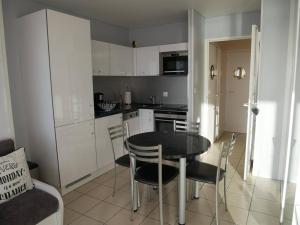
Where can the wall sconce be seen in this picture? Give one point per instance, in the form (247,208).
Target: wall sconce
(239,73)
(212,72)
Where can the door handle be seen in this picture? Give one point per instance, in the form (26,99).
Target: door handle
(246,105)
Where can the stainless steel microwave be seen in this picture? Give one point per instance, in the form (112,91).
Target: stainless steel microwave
(175,63)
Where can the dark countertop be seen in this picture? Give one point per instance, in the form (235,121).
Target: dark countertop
(136,106)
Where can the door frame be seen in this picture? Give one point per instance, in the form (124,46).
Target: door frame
(208,41)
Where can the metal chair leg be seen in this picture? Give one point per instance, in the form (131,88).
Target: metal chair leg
(160,195)
(217,204)
(138,195)
(115,182)
(225,195)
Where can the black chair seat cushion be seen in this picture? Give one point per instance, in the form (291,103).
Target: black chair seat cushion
(28,208)
(125,161)
(203,172)
(148,174)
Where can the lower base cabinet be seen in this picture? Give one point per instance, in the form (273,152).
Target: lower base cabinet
(103,144)
(76,151)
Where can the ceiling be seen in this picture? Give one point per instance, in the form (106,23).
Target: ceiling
(143,13)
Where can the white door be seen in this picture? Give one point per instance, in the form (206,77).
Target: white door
(212,92)
(147,61)
(121,60)
(101,58)
(252,102)
(71,68)
(76,151)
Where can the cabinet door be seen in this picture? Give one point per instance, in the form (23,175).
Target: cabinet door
(71,68)
(101,58)
(103,143)
(133,125)
(121,60)
(147,61)
(146,120)
(76,151)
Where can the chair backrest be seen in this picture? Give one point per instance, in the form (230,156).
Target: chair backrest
(116,132)
(226,150)
(184,126)
(150,154)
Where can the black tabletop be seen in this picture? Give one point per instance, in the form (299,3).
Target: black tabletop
(175,145)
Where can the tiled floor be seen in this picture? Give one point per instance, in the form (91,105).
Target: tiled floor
(255,202)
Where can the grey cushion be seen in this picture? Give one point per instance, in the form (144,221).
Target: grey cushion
(6,146)
(29,208)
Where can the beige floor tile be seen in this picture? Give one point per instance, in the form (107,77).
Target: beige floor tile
(149,221)
(170,214)
(171,198)
(100,192)
(238,200)
(197,219)
(234,215)
(242,189)
(264,206)
(221,222)
(101,179)
(87,187)
(202,206)
(83,220)
(121,182)
(120,199)
(125,174)
(82,204)
(270,194)
(210,193)
(103,211)
(146,206)
(256,218)
(70,216)
(264,183)
(124,218)
(71,197)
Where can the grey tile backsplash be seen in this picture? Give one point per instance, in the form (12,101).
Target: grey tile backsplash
(143,87)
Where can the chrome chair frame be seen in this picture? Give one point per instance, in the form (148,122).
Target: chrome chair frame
(184,126)
(115,132)
(152,154)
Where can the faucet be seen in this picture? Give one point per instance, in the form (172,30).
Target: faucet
(152,99)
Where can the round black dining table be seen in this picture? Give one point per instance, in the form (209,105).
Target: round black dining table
(175,145)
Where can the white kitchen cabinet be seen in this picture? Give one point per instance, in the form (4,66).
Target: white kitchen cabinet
(121,60)
(147,61)
(133,125)
(103,143)
(56,65)
(71,68)
(101,58)
(173,47)
(76,151)
(146,120)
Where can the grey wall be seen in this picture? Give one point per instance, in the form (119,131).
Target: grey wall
(143,87)
(231,25)
(159,35)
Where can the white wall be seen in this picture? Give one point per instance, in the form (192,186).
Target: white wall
(231,25)
(6,122)
(272,80)
(159,35)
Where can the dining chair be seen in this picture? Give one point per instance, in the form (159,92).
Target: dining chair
(208,173)
(153,172)
(117,132)
(184,126)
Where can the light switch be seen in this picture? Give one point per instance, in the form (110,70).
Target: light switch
(165,94)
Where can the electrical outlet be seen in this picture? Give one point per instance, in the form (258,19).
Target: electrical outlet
(165,94)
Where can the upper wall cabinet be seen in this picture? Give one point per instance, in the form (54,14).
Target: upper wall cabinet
(173,47)
(147,61)
(101,58)
(111,59)
(121,60)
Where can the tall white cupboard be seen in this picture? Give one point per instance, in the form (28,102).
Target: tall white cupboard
(56,67)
